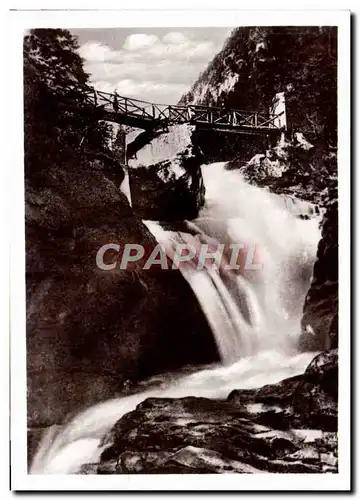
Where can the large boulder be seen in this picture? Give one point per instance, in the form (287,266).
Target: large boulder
(316,398)
(91,330)
(165,176)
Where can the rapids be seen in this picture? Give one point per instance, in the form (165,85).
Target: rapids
(254,314)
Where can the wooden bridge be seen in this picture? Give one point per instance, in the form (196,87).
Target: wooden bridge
(149,116)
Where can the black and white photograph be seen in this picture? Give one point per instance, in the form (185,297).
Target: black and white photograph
(181,277)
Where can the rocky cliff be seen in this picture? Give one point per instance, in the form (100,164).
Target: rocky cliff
(320,318)
(90,330)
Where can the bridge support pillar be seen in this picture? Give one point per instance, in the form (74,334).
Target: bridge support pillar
(278,107)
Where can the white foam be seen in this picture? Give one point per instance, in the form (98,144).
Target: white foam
(256,352)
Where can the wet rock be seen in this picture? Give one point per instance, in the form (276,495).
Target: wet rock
(130,462)
(268,394)
(280,442)
(265,166)
(282,428)
(320,315)
(323,366)
(165,177)
(292,168)
(307,401)
(110,467)
(89,469)
(316,398)
(194,460)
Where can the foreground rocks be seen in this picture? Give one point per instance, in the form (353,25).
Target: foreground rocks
(289,427)
(165,177)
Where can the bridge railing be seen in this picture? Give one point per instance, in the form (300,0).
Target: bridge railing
(162,114)
(117,104)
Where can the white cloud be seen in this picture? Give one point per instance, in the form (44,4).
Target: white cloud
(131,88)
(161,93)
(175,37)
(167,71)
(201,50)
(147,67)
(95,52)
(140,41)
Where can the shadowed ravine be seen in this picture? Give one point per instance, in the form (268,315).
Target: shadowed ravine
(254,314)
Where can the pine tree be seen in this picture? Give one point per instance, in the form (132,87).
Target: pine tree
(53,70)
(53,55)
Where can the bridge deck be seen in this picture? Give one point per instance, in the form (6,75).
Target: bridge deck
(149,116)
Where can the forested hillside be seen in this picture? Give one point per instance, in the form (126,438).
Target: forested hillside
(258,62)
(53,68)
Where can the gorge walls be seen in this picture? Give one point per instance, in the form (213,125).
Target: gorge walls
(90,330)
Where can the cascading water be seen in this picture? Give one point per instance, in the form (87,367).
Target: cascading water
(254,313)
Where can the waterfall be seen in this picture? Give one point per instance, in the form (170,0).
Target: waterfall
(125,185)
(256,309)
(254,312)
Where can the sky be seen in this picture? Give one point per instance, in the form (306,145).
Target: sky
(157,65)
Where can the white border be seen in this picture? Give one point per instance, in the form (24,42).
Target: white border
(17,23)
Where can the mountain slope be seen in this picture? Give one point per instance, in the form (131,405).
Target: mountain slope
(258,62)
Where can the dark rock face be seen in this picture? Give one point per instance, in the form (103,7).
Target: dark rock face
(316,397)
(89,330)
(320,317)
(165,178)
(286,427)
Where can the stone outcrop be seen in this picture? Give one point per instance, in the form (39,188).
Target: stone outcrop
(90,330)
(165,176)
(286,427)
(292,167)
(320,316)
